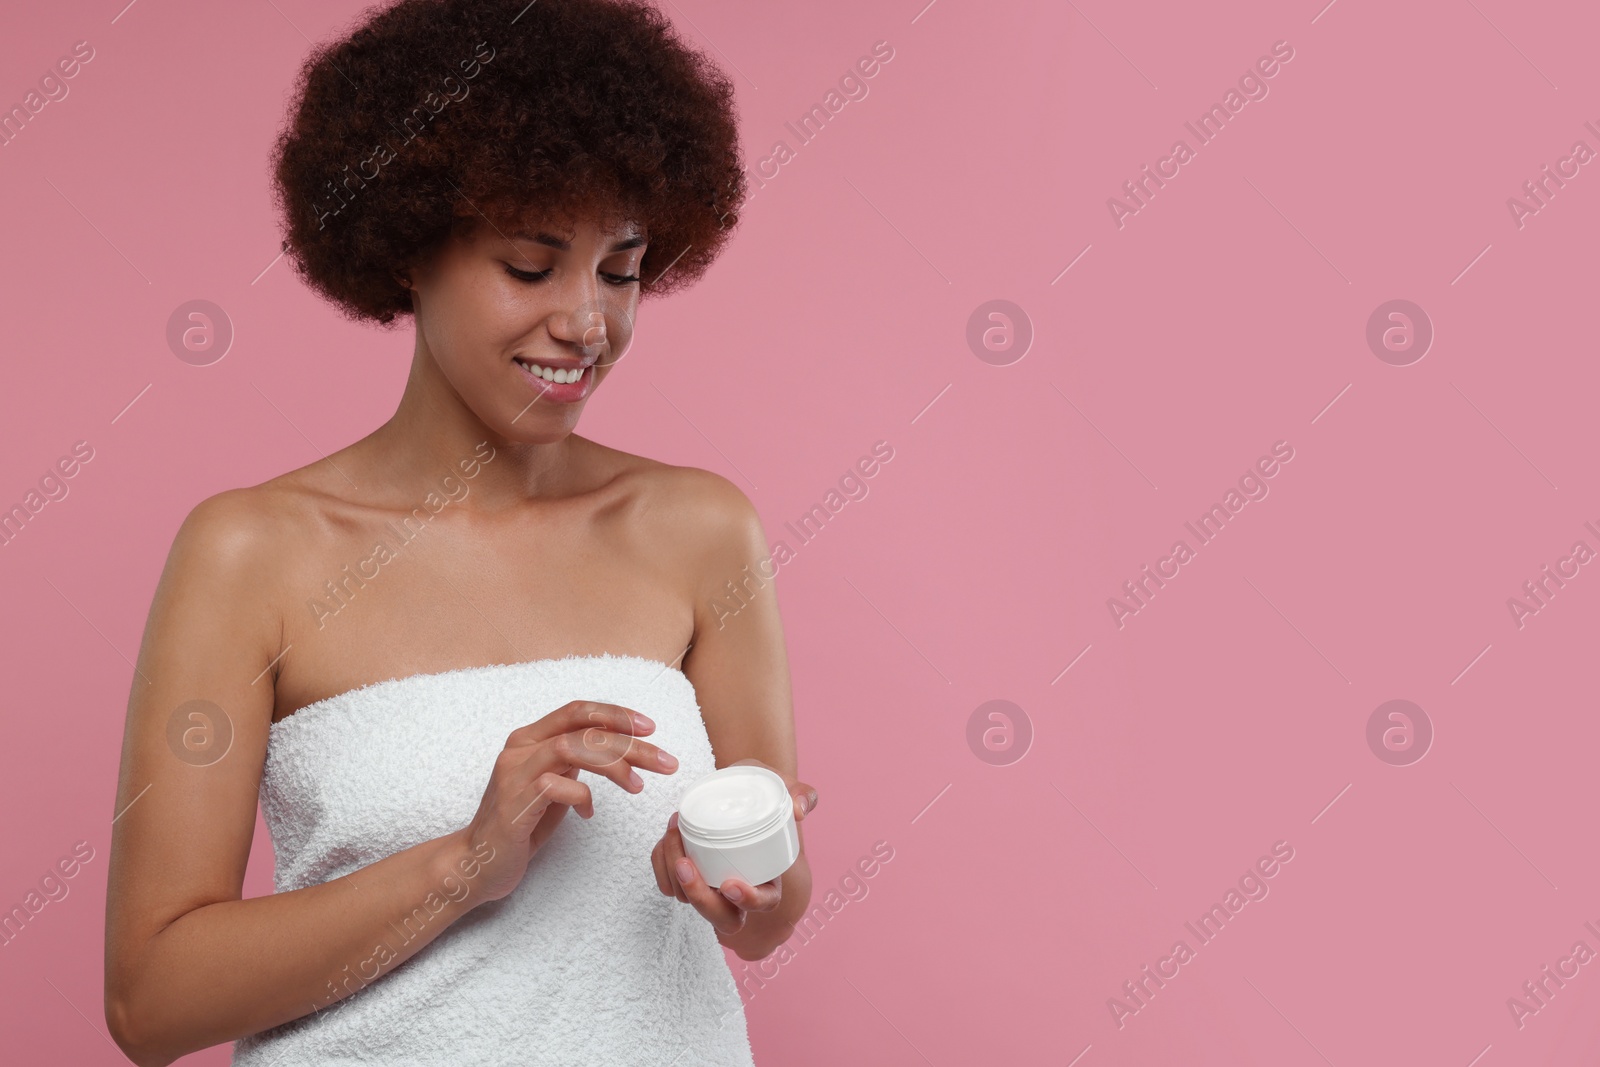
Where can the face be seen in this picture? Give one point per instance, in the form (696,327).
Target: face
(524,324)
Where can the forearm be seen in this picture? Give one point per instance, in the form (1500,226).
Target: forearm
(237,967)
(764,931)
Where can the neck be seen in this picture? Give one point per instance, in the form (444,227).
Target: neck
(433,431)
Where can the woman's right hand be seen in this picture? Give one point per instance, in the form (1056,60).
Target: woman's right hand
(534,783)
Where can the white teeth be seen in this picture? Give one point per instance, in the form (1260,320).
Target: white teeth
(559,377)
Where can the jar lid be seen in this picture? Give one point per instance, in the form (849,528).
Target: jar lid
(734,802)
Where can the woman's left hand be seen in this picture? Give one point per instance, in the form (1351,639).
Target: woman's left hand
(725,907)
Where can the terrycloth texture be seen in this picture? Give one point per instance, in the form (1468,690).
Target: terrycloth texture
(585,962)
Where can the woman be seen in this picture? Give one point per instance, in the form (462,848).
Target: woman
(421,651)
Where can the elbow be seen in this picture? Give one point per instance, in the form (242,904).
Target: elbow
(761,938)
(123,1021)
(751,954)
(764,945)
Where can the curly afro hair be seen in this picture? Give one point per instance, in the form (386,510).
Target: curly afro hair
(434,114)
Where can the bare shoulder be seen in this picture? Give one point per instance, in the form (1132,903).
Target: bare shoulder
(696,521)
(244,544)
(689,504)
(244,527)
(231,530)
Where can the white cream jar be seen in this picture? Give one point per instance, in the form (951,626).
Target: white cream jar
(738,822)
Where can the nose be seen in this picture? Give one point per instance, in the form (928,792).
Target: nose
(581,320)
(593,340)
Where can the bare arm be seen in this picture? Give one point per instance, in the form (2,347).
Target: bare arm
(740,672)
(188,963)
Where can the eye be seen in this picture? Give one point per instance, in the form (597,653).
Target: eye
(527,275)
(619,279)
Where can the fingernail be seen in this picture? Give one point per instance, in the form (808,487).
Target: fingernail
(685,871)
(733,893)
(667,762)
(643,722)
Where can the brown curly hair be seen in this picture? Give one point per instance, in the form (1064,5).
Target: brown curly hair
(433,114)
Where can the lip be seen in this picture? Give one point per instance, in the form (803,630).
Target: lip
(562,392)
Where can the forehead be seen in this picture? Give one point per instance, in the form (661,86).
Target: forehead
(611,228)
(612,240)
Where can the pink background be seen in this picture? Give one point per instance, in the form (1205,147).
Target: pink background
(1223,317)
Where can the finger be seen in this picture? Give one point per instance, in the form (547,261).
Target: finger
(612,748)
(724,916)
(658,863)
(763,897)
(606,750)
(671,853)
(552,790)
(520,770)
(603,752)
(578,714)
(547,825)
(805,799)
(547,789)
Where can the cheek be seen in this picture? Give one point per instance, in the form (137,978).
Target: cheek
(480,313)
(467,332)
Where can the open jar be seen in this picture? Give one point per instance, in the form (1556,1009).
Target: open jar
(738,822)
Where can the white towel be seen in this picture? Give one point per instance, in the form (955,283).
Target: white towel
(585,962)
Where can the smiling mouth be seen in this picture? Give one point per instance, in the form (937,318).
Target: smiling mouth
(556,375)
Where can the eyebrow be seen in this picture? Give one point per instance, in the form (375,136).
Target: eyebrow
(636,241)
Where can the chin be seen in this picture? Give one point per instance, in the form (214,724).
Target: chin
(547,428)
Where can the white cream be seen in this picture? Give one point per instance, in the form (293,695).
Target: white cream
(738,822)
